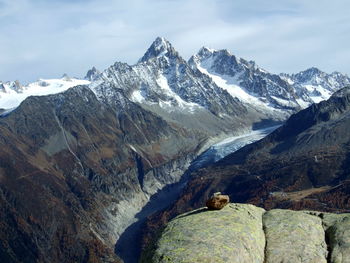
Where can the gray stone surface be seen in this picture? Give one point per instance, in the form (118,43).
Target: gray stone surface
(233,234)
(339,239)
(245,233)
(293,236)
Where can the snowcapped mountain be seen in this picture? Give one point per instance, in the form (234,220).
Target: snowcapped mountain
(259,88)
(164,83)
(13,93)
(315,84)
(162,77)
(214,84)
(98,151)
(92,74)
(244,79)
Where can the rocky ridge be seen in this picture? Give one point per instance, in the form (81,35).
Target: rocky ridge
(263,90)
(92,165)
(246,233)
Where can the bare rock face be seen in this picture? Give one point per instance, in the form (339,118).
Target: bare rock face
(338,234)
(246,233)
(234,234)
(293,236)
(217,201)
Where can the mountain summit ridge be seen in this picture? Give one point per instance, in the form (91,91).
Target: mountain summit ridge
(163,79)
(160,47)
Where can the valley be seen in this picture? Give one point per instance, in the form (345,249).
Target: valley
(170,193)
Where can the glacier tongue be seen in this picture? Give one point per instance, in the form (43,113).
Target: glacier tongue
(220,150)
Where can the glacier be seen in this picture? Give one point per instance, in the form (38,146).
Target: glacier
(229,145)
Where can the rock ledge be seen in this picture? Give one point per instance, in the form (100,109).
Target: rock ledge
(246,233)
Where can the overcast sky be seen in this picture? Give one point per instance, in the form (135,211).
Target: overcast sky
(46,38)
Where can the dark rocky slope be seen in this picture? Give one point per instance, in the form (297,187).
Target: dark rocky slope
(71,167)
(304,164)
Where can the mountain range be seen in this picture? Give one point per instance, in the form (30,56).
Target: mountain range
(81,157)
(213,84)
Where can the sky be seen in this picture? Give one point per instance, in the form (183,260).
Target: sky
(47,38)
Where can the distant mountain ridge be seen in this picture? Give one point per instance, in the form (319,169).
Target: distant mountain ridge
(212,80)
(244,79)
(12,93)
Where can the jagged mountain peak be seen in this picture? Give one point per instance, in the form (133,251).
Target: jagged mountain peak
(15,85)
(309,73)
(65,77)
(206,52)
(208,49)
(319,82)
(313,70)
(160,47)
(92,74)
(219,56)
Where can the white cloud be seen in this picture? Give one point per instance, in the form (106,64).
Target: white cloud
(48,38)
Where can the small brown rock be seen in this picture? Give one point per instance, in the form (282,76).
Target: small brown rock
(217,201)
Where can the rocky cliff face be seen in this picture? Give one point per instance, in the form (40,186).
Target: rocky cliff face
(246,233)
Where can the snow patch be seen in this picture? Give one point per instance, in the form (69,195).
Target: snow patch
(283,102)
(303,104)
(231,85)
(137,96)
(11,98)
(191,107)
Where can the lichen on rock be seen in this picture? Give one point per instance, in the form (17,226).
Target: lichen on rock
(233,234)
(246,233)
(338,235)
(294,236)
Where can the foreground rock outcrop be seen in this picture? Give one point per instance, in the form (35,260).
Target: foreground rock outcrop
(246,233)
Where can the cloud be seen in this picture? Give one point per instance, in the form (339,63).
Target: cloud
(48,38)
